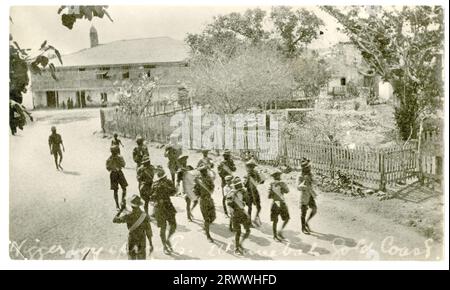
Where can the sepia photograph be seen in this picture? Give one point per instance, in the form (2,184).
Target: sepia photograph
(268,132)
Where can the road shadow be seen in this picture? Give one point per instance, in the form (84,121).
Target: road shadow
(182,229)
(335,239)
(259,240)
(295,243)
(179,256)
(248,254)
(221,230)
(68,172)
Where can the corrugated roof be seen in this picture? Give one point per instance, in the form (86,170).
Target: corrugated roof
(133,51)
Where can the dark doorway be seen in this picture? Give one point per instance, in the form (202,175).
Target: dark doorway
(81,99)
(343,81)
(51,99)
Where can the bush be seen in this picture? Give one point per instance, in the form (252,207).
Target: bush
(352,90)
(406,119)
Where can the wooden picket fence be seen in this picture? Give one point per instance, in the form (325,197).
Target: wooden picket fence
(370,167)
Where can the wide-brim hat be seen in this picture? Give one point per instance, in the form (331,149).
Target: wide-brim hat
(205,150)
(139,138)
(135,201)
(53,128)
(182,157)
(277,172)
(226,152)
(202,167)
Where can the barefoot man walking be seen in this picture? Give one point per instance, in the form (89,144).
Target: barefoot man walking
(55,143)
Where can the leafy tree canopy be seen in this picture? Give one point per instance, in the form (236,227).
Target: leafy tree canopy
(405,47)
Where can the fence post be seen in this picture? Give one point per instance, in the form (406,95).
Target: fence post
(382,171)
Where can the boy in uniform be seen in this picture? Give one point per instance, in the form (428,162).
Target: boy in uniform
(163,188)
(205,160)
(307,195)
(116,141)
(139,151)
(145,175)
(204,188)
(251,181)
(172,153)
(277,190)
(185,175)
(225,168)
(236,202)
(226,191)
(114,165)
(139,228)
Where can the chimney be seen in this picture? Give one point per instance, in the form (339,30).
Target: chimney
(94,36)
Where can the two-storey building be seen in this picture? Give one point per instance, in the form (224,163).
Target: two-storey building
(87,78)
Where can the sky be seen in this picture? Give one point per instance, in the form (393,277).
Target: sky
(33,24)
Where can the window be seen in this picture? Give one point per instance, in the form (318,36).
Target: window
(82,69)
(104,97)
(126,75)
(103,76)
(149,66)
(343,81)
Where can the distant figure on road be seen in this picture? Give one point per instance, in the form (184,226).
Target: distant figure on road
(172,153)
(114,165)
(204,188)
(163,188)
(277,190)
(225,168)
(55,143)
(145,176)
(139,228)
(251,182)
(304,184)
(116,141)
(236,202)
(139,151)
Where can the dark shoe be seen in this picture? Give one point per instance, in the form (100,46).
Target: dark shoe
(211,240)
(308,228)
(280,235)
(169,245)
(239,251)
(166,251)
(305,231)
(276,238)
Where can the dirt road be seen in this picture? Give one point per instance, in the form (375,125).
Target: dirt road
(63,215)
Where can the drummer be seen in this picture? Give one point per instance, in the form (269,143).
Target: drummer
(186,174)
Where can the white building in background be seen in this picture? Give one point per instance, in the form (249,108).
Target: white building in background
(88,77)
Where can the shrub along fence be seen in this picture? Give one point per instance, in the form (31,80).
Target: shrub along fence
(374,168)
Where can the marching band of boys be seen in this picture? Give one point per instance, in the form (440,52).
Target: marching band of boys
(197,186)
